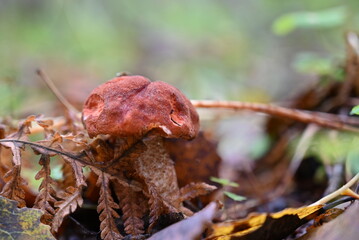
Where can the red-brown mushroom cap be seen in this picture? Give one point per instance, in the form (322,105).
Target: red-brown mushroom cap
(131,106)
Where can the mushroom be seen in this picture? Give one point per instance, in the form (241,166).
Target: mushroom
(137,114)
(133,106)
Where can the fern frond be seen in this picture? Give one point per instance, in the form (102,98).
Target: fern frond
(156,206)
(45,199)
(14,182)
(71,200)
(77,171)
(106,208)
(13,187)
(132,209)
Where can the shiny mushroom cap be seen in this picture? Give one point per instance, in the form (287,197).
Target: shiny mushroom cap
(132,106)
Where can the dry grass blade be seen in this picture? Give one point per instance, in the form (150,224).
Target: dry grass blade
(72,198)
(56,92)
(106,208)
(337,192)
(321,119)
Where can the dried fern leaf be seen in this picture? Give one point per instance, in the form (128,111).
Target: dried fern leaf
(24,127)
(194,190)
(71,199)
(68,178)
(14,182)
(13,187)
(77,171)
(156,206)
(45,199)
(131,204)
(106,208)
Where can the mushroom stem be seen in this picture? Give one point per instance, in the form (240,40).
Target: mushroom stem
(157,170)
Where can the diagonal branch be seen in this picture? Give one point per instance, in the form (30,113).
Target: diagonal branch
(322,119)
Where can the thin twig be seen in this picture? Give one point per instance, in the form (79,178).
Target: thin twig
(77,158)
(337,192)
(330,121)
(338,202)
(56,92)
(82,227)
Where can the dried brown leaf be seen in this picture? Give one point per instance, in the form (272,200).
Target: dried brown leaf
(106,208)
(197,156)
(45,123)
(45,199)
(265,226)
(131,204)
(24,127)
(14,182)
(68,178)
(158,206)
(194,190)
(77,171)
(13,187)
(71,199)
(16,152)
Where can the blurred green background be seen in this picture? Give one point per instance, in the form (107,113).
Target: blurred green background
(254,50)
(236,50)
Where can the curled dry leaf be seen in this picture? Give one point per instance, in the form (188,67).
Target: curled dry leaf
(194,190)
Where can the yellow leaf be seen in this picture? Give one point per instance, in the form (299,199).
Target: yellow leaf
(265,226)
